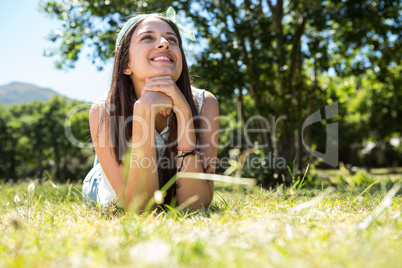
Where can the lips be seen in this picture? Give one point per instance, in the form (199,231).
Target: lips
(162,57)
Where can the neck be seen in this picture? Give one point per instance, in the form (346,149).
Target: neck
(138,86)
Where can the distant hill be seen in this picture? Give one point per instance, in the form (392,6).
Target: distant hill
(16,92)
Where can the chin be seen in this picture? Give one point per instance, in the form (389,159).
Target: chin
(173,75)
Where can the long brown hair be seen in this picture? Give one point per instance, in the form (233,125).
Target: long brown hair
(121,98)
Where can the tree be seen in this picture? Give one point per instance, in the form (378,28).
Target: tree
(8,158)
(273,51)
(34,141)
(278,51)
(91,23)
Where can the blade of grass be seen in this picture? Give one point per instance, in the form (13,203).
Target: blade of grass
(314,201)
(36,206)
(215,177)
(386,202)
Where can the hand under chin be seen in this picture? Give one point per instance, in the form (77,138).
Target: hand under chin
(165,72)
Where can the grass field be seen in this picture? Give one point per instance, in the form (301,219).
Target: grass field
(347,224)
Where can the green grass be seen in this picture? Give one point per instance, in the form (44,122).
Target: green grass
(346,225)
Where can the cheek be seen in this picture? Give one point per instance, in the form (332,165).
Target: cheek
(179,70)
(137,54)
(137,62)
(179,63)
(180,66)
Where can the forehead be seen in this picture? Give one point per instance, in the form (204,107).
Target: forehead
(153,24)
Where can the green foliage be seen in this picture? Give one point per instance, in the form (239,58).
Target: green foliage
(275,58)
(368,113)
(35,142)
(267,169)
(90,23)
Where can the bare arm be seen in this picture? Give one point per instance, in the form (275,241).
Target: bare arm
(187,188)
(142,181)
(205,162)
(101,141)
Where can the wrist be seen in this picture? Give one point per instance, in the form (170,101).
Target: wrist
(141,109)
(184,113)
(186,137)
(185,120)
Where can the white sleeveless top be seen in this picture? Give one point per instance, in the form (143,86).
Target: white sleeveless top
(106,194)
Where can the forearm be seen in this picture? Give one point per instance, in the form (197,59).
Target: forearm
(188,188)
(143,172)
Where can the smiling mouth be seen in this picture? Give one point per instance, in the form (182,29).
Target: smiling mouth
(162,59)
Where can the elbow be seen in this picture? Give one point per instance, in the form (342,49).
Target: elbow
(197,202)
(207,203)
(139,204)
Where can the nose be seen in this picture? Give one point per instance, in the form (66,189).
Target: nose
(163,43)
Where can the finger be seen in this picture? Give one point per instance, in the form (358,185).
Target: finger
(163,88)
(161,82)
(169,111)
(156,78)
(155,91)
(159,85)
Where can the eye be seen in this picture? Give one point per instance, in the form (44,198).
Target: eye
(146,37)
(172,40)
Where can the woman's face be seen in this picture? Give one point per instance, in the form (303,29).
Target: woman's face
(154,51)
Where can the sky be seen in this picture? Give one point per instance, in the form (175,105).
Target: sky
(23,32)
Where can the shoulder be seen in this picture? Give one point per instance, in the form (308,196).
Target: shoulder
(210,104)
(98,121)
(206,100)
(96,113)
(210,99)
(99,107)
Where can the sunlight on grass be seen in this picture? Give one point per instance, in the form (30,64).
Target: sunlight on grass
(245,226)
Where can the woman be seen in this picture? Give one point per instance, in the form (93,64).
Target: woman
(152,109)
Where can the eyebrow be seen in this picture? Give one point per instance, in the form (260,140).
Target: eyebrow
(148,32)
